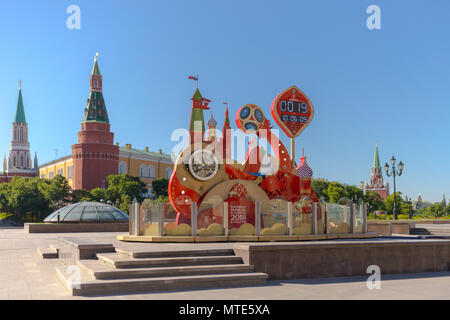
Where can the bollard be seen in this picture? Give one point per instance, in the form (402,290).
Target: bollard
(290,219)
(226,219)
(352,218)
(257,218)
(160,219)
(194,218)
(314,218)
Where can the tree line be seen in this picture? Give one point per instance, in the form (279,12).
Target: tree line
(33,199)
(334,191)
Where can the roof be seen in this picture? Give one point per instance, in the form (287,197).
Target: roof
(197,95)
(20,112)
(95,69)
(376,158)
(88,212)
(147,153)
(95,110)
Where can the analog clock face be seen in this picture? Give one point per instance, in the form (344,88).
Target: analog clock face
(203,164)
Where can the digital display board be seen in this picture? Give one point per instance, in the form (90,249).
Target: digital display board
(292,111)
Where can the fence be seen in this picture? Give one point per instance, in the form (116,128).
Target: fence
(269,218)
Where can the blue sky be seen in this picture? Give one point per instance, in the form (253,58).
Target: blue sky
(389,85)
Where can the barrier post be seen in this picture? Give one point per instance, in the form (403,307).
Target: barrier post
(290,219)
(226,219)
(194,218)
(257,218)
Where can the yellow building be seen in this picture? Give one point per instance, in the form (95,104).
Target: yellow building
(145,164)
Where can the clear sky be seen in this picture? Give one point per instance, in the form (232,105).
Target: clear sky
(389,85)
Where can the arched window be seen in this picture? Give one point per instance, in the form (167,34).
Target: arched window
(142,170)
(21,161)
(168,173)
(122,167)
(151,171)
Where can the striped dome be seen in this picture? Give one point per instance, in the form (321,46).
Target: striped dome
(303,170)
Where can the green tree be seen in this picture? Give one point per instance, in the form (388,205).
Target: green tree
(27,198)
(374,201)
(99,195)
(320,187)
(160,188)
(56,191)
(436,210)
(335,192)
(354,193)
(389,202)
(80,195)
(123,188)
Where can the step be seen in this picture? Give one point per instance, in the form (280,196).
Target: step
(176,253)
(117,286)
(123,261)
(101,270)
(48,253)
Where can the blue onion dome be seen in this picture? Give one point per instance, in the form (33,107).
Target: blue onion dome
(88,212)
(212,122)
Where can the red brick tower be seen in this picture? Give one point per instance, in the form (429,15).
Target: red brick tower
(376,179)
(94,156)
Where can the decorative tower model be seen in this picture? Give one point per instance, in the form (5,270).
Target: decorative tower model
(95,156)
(19,150)
(212,124)
(226,133)
(376,179)
(197,124)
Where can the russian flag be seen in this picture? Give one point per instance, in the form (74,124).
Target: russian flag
(193,78)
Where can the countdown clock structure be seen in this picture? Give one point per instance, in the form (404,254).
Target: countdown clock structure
(293,111)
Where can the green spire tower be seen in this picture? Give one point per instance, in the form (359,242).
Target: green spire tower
(197,123)
(376,158)
(20,112)
(95,110)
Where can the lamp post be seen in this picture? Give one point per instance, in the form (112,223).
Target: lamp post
(393,173)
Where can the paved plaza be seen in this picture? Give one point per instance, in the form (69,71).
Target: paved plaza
(24,275)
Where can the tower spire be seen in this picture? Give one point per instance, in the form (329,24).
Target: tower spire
(376,158)
(95,110)
(20,112)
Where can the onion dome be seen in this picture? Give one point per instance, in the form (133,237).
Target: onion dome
(304,170)
(212,122)
(88,212)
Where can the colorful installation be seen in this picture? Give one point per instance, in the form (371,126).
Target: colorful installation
(206,173)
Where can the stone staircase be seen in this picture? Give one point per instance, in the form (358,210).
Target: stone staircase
(431,229)
(133,272)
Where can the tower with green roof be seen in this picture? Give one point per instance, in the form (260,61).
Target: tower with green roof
(94,156)
(197,123)
(377,184)
(19,159)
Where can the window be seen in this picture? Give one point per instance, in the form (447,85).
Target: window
(151,171)
(69,172)
(43,176)
(142,170)
(168,173)
(122,167)
(50,175)
(60,172)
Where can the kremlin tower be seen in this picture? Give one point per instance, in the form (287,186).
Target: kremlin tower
(376,179)
(94,156)
(19,161)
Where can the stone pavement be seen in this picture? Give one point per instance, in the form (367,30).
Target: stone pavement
(23,275)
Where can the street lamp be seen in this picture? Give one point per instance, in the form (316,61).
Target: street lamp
(393,173)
